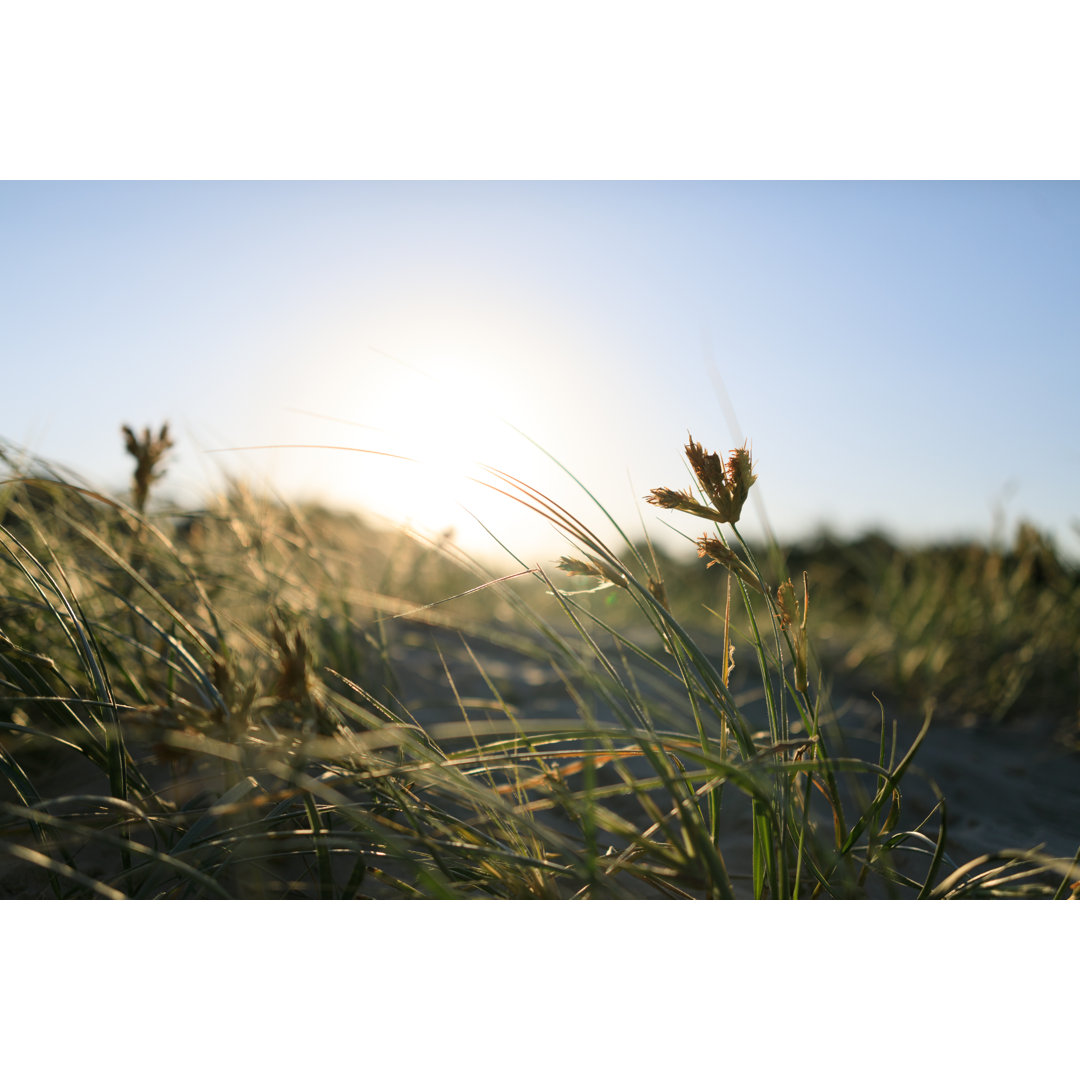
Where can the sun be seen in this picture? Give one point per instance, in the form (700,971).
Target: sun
(439,419)
(451,420)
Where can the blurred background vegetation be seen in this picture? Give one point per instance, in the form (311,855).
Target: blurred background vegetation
(985,631)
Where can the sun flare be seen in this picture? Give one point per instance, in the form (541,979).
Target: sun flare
(443,417)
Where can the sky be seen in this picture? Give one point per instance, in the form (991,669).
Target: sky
(899,355)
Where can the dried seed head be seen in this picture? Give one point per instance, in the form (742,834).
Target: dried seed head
(658,592)
(709,470)
(726,485)
(578,568)
(293,663)
(147,452)
(786,608)
(740,473)
(788,615)
(719,554)
(669,499)
(716,551)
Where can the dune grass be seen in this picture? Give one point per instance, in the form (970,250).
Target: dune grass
(265,701)
(988,633)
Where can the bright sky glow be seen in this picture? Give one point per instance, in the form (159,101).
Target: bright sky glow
(901,355)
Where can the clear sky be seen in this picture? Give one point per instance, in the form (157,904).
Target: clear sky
(900,355)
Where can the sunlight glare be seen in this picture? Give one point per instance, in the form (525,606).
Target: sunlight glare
(450,416)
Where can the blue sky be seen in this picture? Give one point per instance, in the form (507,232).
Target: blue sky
(901,355)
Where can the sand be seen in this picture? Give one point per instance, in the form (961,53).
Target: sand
(1012,785)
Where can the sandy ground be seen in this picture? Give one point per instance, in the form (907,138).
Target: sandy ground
(1010,786)
(1006,786)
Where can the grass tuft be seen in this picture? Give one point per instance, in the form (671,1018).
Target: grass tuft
(272,701)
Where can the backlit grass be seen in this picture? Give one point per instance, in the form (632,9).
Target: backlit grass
(265,701)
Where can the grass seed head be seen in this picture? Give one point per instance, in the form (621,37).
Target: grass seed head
(293,663)
(147,450)
(786,606)
(708,468)
(788,615)
(725,484)
(670,499)
(719,554)
(579,568)
(659,592)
